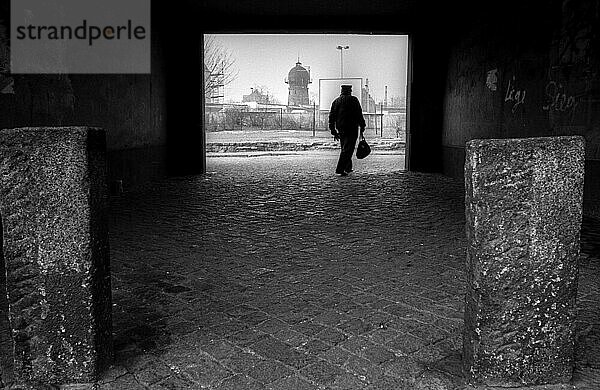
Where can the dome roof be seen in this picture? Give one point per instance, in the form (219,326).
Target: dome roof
(298,75)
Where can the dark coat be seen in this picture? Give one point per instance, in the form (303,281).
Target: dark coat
(346,114)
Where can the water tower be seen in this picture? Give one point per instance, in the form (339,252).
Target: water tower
(298,80)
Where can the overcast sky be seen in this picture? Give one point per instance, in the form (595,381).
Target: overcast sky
(266,60)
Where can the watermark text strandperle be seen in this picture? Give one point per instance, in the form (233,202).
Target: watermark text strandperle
(83,31)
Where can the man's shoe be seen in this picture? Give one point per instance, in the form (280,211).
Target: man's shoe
(342,173)
(349,170)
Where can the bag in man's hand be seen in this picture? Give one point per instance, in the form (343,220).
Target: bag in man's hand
(363,149)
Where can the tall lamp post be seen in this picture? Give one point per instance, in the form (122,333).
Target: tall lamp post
(341,49)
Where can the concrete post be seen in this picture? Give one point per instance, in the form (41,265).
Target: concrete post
(53,205)
(523,209)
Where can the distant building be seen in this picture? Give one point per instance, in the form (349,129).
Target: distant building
(298,80)
(258,106)
(367,102)
(256,96)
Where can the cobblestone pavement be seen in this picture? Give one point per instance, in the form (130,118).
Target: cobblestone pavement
(274,273)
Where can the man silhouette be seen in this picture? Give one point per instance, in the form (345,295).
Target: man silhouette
(345,117)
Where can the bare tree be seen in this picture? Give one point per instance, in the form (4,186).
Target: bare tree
(266,93)
(219,66)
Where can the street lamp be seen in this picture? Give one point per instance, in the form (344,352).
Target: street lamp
(341,49)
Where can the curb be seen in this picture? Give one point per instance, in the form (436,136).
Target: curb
(236,147)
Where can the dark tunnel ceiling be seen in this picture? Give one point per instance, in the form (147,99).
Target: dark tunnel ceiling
(383,16)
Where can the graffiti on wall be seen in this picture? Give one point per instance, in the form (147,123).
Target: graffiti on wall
(558,99)
(492,80)
(7,84)
(579,36)
(514,96)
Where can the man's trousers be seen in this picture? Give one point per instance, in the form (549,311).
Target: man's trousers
(348,143)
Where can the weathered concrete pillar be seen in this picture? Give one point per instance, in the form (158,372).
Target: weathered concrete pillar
(523,208)
(53,203)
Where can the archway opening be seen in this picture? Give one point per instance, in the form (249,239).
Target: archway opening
(269,95)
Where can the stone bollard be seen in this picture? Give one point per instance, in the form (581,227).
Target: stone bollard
(523,212)
(54,205)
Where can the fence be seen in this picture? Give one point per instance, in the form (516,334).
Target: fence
(394,123)
(241,118)
(271,119)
